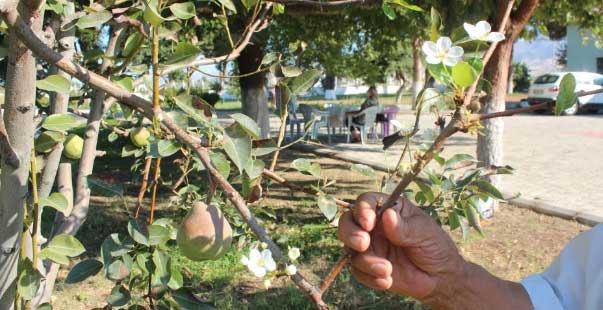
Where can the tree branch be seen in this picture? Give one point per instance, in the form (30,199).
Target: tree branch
(14,21)
(481,117)
(326,3)
(522,16)
(230,56)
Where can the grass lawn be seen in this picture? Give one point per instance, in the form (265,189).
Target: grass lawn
(517,243)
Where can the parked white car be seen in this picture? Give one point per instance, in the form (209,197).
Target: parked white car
(546,88)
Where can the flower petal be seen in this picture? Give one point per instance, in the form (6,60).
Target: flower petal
(483,28)
(451,61)
(294,253)
(254,255)
(430,48)
(257,271)
(443,44)
(291,270)
(245,260)
(470,29)
(495,37)
(270,264)
(267,283)
(432,60)
(456,51)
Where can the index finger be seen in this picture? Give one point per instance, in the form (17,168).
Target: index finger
(364,209)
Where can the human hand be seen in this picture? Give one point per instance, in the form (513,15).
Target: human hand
(406,252)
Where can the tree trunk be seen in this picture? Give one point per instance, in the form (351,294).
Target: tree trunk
(511,83)
(418,71)
(329,83)
(253,91)
(490,142)
(18,116)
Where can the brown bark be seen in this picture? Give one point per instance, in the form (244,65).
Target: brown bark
(418,71)
(490,143)
(18,117)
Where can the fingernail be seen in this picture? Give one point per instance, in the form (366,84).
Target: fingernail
(379,269)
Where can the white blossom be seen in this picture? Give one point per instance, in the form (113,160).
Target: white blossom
(482,31)
(259,263)
(442,51)
(267,283)
(294,253)
(291,270)
(264,245)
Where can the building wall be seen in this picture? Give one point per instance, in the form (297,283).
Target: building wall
(580,56)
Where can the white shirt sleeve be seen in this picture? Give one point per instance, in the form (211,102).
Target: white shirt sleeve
(574,281)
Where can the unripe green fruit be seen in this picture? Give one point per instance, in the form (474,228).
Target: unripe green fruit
(140,136)
(73,147)
(204,233)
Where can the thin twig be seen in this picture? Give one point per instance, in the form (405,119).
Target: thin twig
(154,190)
(326,283)
(143,186)
(322,3)
(275,177)
(512,112)
(36,209)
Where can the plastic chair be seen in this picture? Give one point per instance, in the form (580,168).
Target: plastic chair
(370,117)
(310,114)
(292,118)
(390,115)
(336,119)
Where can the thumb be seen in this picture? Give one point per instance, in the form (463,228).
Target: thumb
(408,230)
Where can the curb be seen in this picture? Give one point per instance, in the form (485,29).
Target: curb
(524,203)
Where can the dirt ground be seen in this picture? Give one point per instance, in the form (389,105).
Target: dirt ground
(517,242)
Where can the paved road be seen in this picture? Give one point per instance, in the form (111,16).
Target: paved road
(558,160)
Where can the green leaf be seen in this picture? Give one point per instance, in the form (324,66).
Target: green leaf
(278,8)
(161,260)
(44,306)
(438,73)
(187,301)
(364,170)
(60,122)
(567,94)
(489,189)
(185,52)
(29,280)
(120,296)
(472,215)
(248,124)
(463,74)
(83,270)
(327,206)
(158,234)
(237,146)
(54,255)
(93,20)
(300,84)
(229,5)
(184,10)
(291,71)
(221,163)
(389,12)
(255,168)
(459,161)
(184,102)
(47,140)
(133,43)
(426,190)
(453,220)
(56,201)
(126,82)
(151,15)
(176,280)
(163,148)
(101,188)
(112,137)
(136,233)
(67,245)
(114,247)
(117,270)
(405,5)
(248,4)
(269,58)
(56,83)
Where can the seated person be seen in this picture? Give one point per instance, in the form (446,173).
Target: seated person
(372,100)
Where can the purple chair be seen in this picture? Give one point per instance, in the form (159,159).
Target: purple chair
(389,114)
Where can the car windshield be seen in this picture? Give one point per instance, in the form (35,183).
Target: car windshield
(546,79)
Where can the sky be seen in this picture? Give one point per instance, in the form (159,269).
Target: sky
(538,55)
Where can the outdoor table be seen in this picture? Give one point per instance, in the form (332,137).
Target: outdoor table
(384,117)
